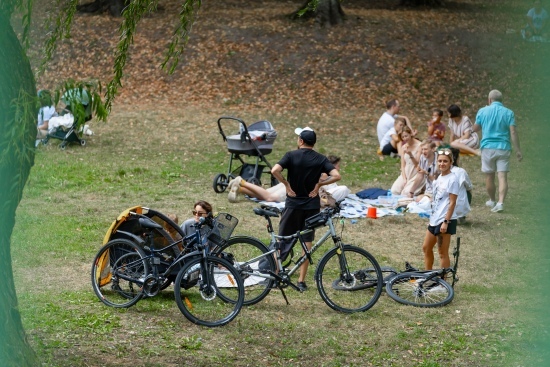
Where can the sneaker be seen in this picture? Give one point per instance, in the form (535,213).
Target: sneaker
(232,196)
(498,208)
(302,286)
(234,186)
(490,203)
(438,289)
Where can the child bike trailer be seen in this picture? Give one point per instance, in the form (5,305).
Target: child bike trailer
(248,149)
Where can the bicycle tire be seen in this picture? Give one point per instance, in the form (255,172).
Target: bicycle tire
(240,249)
(404,288)
(198,291)
(118,271)
(333,266)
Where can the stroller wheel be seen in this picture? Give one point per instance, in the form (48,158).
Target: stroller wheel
(254,181)
(63,145)
(220,183)
(82,142)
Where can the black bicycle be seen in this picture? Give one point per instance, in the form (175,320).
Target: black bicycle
(208,289)
(336,276)
(424,288)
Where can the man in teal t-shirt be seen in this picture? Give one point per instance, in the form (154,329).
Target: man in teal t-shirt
(499,128)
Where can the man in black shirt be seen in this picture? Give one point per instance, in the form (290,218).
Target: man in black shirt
(304,168)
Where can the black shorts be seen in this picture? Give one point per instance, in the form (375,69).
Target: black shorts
(388,149)
(436,230)
(294,220)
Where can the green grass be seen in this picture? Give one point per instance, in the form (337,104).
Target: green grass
(71,200)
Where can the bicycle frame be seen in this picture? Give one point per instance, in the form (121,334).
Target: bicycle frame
(284,275)
(430,274)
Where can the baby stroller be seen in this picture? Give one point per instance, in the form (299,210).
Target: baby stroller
(253,141)
(77,106)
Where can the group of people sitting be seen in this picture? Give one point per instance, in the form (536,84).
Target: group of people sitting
(391,127)
(419,168)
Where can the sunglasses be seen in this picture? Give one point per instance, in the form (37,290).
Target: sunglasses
(445,152)
(200,214)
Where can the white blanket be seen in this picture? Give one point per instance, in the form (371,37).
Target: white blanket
(65,121)
(352,207)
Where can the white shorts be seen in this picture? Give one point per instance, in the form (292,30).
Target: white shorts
(495,160)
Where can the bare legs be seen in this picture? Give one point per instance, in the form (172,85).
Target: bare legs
(490,185)
(443,241)
(257,192)
(303,268)
(502,185)
(464,147)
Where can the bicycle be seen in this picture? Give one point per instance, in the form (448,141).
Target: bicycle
(424,288)
(208,290)
(262,268)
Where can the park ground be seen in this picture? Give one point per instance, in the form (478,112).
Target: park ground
(161,148)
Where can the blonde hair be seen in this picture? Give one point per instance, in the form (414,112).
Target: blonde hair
(428,142)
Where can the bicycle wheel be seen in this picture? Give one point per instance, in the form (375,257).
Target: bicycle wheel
(420,289)
(118,272)
(198,289)
(355,289)
(240,249)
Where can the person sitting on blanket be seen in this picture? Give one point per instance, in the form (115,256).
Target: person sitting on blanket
(277,193)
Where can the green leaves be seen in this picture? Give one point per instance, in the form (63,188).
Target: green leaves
(181,35)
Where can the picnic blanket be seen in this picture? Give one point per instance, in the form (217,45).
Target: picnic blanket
(352,207)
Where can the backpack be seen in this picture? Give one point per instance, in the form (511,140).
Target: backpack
(326,198)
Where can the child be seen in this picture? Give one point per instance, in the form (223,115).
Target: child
(436,129)
(390,141)
(427,168)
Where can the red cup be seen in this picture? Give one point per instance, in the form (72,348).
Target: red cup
(371,213)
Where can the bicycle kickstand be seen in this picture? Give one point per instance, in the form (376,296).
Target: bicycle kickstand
(283,280)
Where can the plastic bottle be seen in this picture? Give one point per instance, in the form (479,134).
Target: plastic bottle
(389,193)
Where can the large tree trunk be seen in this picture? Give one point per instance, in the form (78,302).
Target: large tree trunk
(422,2)
(115,7)
(16,159)
(328,12)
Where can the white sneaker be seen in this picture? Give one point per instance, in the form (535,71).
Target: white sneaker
(498,208)
(234,186)
(490,203)
(438,289)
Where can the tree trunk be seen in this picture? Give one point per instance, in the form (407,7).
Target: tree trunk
(327,12)
(422,2)
(115,7)
(16,159)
